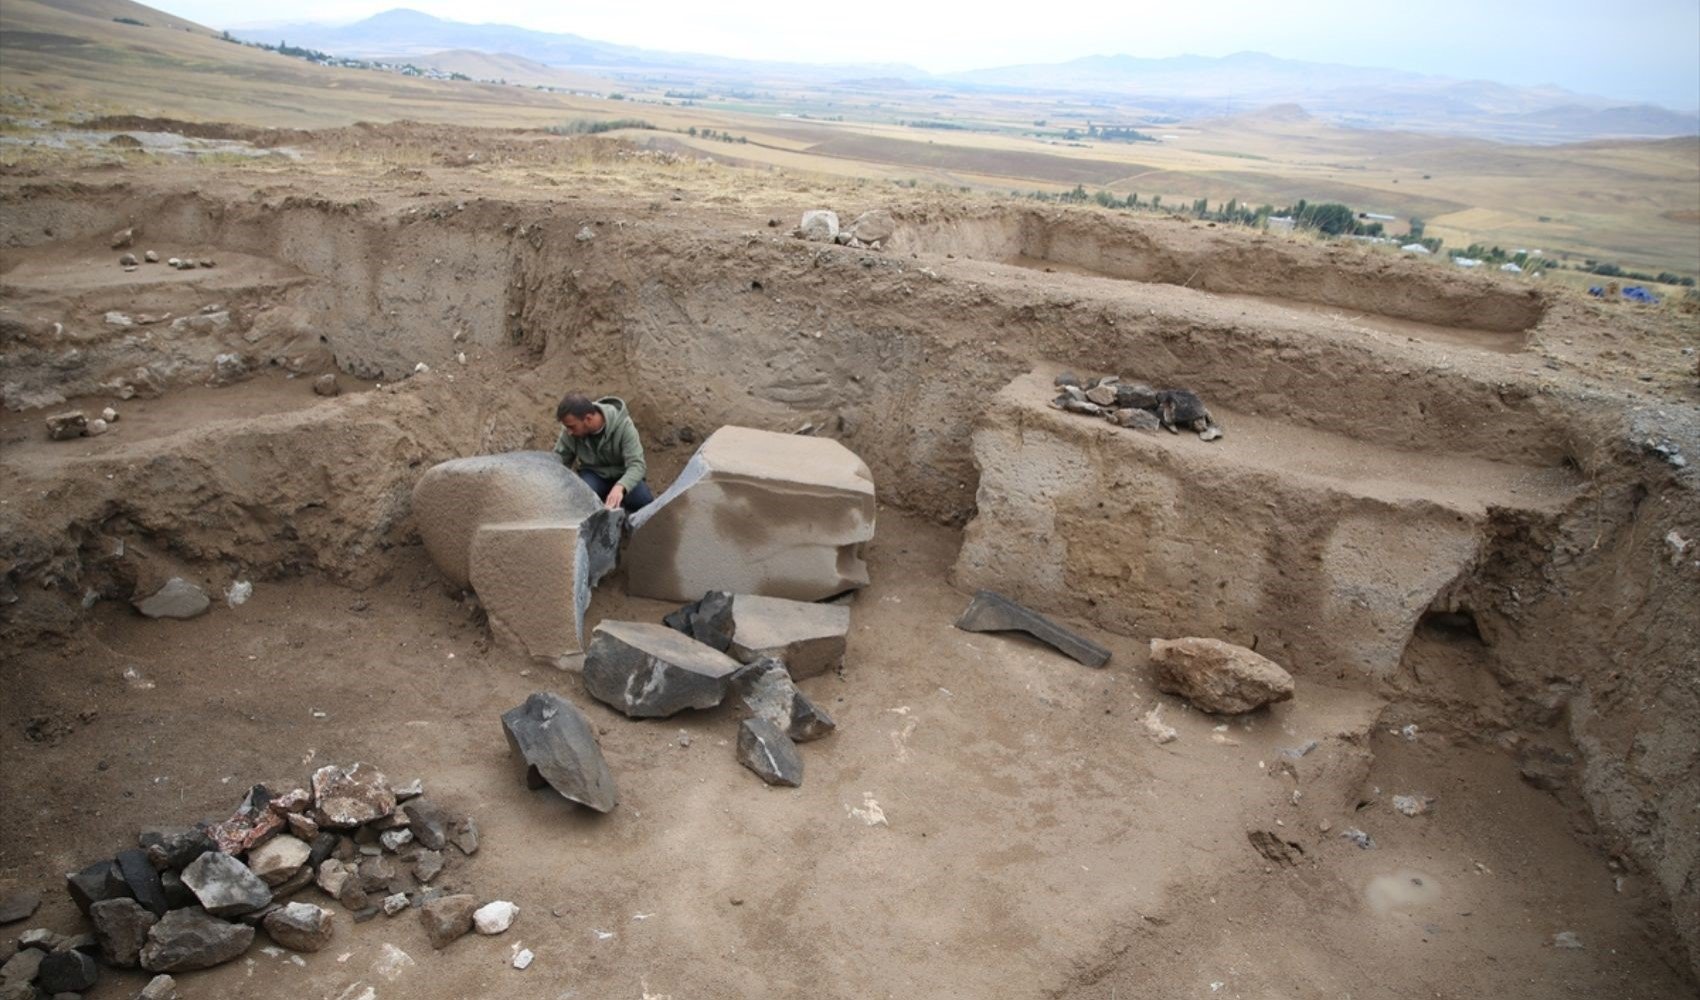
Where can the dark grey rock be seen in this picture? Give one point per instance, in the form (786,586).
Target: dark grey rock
(176,849)
(225,886)
(447,918)
(990,612)
(185,940)
(376,874)
(1068,378)
(21,968)
(301,927)
(139,874)
(1181,408)
(324,845)
(651,671)
(98,881)
(16,906)
(765,749)
(177,895)
(429,823)
(1136,419)
(767,691)
(557,747)
(1087,407)
(1136,395)
(707,620)
(177,599)
(67,972)
(121,926)
(465,835)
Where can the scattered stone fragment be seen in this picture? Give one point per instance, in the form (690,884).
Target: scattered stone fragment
(300,926)
(40,938)
(395,840)
(1358,837)
(447,918)
(97,427)
(1134,419)
(123,237)
(225,886)
(138,872)
(494,918)
(21,968)
(303,826)
(1182,408)
(1412,805)
(427,865)
(333,877)
(428,822)
(394,904)
(86,943)
(67,425)
(377,875)
(767,691)
(1211,433)
(992,612)
(1217,676)
(465,836)
(151,257)
(411,790)
(327,385)
(189,939)
(279,859)
(708,620)
(1567,940)
(293,801)
(98,881)
(208,262)
(874,226)
(765,749)
(159,988)
(349,796)
(1102,394)
(808,638)
(128,260)
(16,906)
(1085,406)
(556,746)
(67,972)
(522,958)
(819,226)
(585,234)
(324,845)
(177,599)
(1137,396)
(1067,379)
(1159,731)
(651,671)
(174,262)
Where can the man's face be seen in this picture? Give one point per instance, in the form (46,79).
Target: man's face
(582,426)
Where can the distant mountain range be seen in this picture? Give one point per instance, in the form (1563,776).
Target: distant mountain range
(1181,86)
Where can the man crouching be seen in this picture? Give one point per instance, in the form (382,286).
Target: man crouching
(601,444)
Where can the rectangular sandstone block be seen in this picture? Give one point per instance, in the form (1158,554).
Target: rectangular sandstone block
(534,579)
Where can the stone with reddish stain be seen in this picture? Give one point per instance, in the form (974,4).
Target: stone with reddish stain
(447,918)
(349,796)
(295,801)
(242,833)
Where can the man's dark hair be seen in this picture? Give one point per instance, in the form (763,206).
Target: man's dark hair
(576,405)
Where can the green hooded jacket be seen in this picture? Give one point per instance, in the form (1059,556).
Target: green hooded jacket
(614,452)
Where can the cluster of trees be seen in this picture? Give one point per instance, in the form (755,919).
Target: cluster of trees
(708,133)
(950,126)
(1609,270)
(585,126)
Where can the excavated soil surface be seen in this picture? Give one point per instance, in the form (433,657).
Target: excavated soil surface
(990,819)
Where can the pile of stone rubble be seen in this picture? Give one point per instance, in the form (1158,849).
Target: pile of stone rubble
(870,231)
(195,897)
(1136,405)
(125,238)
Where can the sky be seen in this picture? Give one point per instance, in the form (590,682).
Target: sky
(1643,51)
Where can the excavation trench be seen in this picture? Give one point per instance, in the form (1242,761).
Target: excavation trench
(1382,520)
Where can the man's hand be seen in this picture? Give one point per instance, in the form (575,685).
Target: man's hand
(615,495)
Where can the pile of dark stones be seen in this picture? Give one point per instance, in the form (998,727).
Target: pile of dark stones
(190,898)
(1135,405)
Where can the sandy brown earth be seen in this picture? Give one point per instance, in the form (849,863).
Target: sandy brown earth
(990,819)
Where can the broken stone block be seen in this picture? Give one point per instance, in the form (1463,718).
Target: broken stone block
(174,849)
(1218,676)
(768,693)
(527,535)
(21,969)
(394,904)
(427,865)
(465,835)
(98,881)
(279,860)
(121,927)
(765,749)
(300,926)
(708,621)
(376,875)
(411,790)
(1137,419)
(809,638)
(324,845)
(447,918)
(139,874)
(1102,394)
(185,940)
(650,671)
(350,796)
(874,226)
(64,426)
(303,827)
(177,599)
(225,886)
(395,840)
(177,895)
(991,612)
(428,822)
(756,512)
(67,972)
(16,906)
(494,918)
(333,877)
(556,746)
(159,987)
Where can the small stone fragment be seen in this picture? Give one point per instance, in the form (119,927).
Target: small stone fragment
(1067,379)
(16,906)
(394,904)
(708,620)
(411,790)
(465,836)
(350,796)
(279,859)
(1567,940)
(494,918)
(522,958)
(1358,837)
(327,385)
(123,237)
(1217,676)
(992,612)
(303,827)
(67,972)
(138,872)
(556,746)
(808,638)
(428,822)
(427,865)
(395,840)
(98,881)
(1103,395)
(447,918)
(160,987)
(1135,419)
(128,260)
(651,671)
(225,886)
(765,749)
(1159,731)
(67,425)
(177,599)
(1412,805)
(767,691)
(97,427)
(40,938)
(333,877)
(21,969)
(300,926)
(151,257)
(189,939)
(819,226)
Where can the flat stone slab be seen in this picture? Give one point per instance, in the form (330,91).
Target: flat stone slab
(177,599)
(809,638)
(755,512)
(300,926)
(527,535)
(557,747)
(185,940)
(1218,676)
(992,612)
(650,671)
(121,927)
(15,906)
(765,749)
(225,886)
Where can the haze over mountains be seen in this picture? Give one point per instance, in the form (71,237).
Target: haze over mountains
(1178,87)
